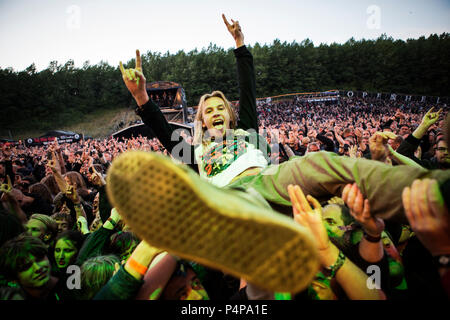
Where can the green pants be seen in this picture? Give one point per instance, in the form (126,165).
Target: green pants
(325,174)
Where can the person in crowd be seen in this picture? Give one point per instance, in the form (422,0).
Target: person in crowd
(95,273)
(24,261)
(64,221)
(392,211)
(334,263)
(122,244)
(215,117)
(411,143)
(67,246)
(42,227)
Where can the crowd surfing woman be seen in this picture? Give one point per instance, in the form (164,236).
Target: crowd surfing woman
(230,163)
(229,153)
(215,117)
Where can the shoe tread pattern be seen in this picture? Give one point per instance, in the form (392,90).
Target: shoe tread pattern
(164,207)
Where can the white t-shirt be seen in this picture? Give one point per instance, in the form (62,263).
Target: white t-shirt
(220,162)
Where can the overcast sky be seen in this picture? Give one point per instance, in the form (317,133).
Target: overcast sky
(40,31)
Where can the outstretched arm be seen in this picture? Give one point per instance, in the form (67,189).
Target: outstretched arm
(409,146)
(428,120)
(246,77)
(151,114)
(401,159)
(125,284)
(53,164)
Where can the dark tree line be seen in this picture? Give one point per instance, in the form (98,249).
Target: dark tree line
(62,94)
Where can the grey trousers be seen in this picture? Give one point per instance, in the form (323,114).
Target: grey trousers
(325,174)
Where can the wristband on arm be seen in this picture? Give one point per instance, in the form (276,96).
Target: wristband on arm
(136,266)
(114,223)
(330,272)
(369,238)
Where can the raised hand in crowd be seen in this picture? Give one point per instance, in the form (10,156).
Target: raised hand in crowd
(353,152)
(370,247)
(9,199)
(428,120)
(82,225)
(429,218)
(96,177)
(235,30)
(54,167)
(334,263)
(135,81)
(428,215)
(72,194)
(378,145)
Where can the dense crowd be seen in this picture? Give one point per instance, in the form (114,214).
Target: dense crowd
(346,126)
(336,201)
(58,194)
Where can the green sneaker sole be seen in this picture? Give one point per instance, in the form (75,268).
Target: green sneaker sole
(171,208)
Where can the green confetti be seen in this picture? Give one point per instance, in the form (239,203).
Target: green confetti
(282,296)
(155,294)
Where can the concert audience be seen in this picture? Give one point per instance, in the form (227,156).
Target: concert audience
(58,218)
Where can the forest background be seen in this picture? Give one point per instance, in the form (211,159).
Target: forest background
(61,95)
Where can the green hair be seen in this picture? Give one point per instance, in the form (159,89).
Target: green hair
(95,273)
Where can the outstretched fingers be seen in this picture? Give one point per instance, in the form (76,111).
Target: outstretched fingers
(316,205)
(352,196)
(122,69)
(423,198)
(138,61)
(296,204)
(302,199)
(366,210)
(226,21)
(415,195)
(406,199)
(297,210)
(346,191)
(435,200)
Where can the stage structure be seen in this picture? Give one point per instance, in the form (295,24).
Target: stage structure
(59,135)
(171,99)
(144,130)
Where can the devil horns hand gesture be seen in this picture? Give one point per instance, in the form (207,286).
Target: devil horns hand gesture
(135,81)
(235,30)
